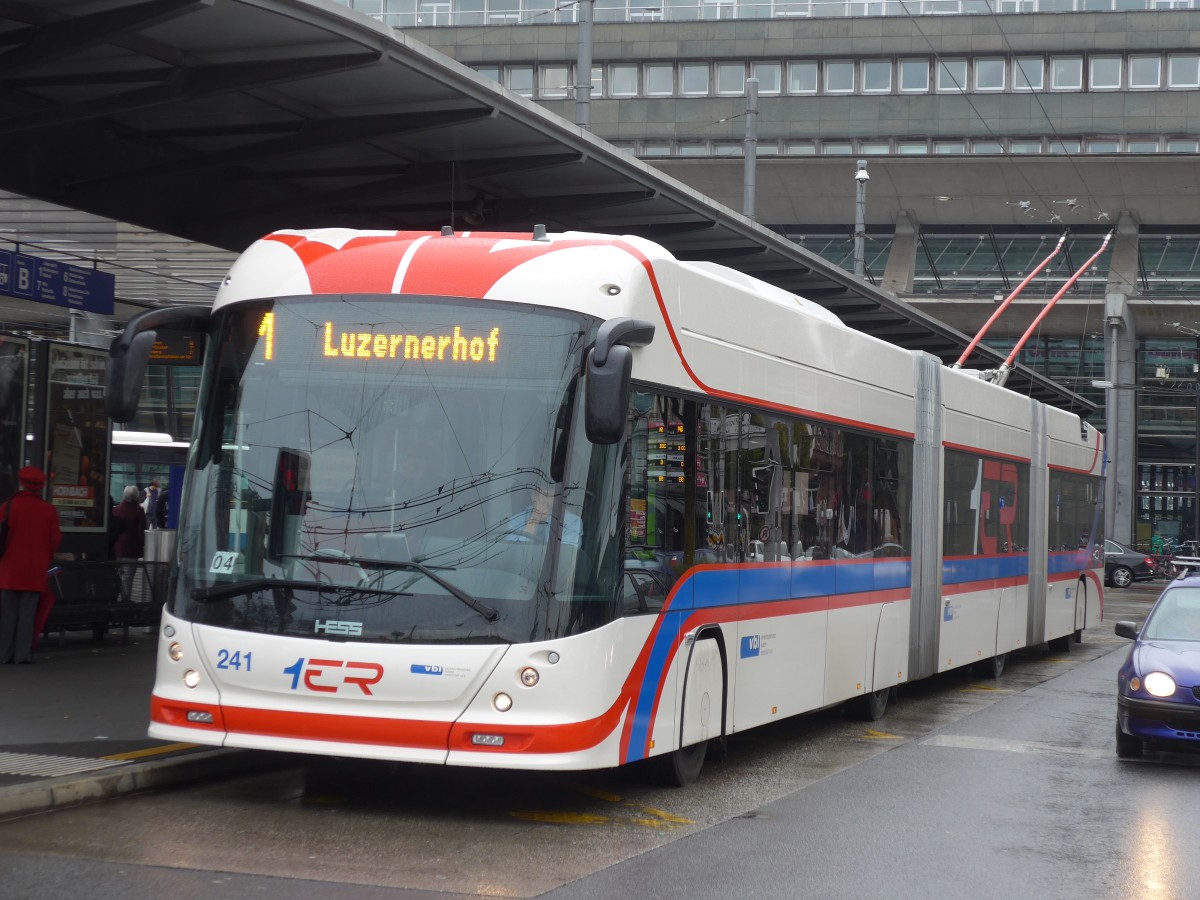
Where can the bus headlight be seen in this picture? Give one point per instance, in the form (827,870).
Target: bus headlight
(529,676)
(502,702)
(175,652)
(1160,684)
(191,678)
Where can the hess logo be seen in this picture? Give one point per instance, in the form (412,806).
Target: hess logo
(330,675)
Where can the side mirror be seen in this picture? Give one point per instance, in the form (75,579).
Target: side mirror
(609,367)
(129,354)
(1127,630)
(608,396)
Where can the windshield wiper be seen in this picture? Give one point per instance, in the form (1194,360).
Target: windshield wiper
(242,588)
(391,564)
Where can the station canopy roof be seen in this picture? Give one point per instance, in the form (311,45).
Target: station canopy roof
(217,121)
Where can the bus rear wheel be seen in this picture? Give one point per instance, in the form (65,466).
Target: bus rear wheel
(870,707)
(992,668)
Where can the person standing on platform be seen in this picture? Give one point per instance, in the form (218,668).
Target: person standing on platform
(33,537)
(151,505)
(129,521)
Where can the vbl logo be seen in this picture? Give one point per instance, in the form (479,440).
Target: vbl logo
(750,646)
(425,670)
(317,676)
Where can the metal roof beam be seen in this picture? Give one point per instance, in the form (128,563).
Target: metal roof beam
(420,177)
(47,41)
(301,137)
(190,84)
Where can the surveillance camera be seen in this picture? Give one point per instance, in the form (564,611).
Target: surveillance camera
(862,175)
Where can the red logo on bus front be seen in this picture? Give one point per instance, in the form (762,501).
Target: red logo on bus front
(328,676)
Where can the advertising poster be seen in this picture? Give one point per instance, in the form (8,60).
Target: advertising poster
(77,437)
(14,380)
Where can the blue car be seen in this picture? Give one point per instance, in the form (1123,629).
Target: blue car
(1158,687)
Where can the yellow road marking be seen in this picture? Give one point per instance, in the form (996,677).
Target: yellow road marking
(873,735)
(559,818)
(151,751)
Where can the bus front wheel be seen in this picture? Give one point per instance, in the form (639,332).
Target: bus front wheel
(681,767)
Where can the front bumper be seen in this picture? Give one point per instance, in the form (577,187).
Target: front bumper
(1159,720)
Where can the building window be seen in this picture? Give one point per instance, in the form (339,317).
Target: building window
(731,78)
(1064,146)
(769,75)
(693,79)
(914,75)
(556,81)
(912,148)
(1104,146)
(1027,73)
(949,147)
(1105,73)
(800,148)
(1183,70)
(727,148)
(1145,72)
(491,72)
(989,74)
(987,147)
(1176,145)
(802,77)
(837,148)
(520,80)
(659,80)
(597,81)
(656,149)
(693,149)
(876,76)
(622,81)
(1143,146)
(1066,73)
(770,148)
(874,148)
(1025,146)
(839,77)
(952,76)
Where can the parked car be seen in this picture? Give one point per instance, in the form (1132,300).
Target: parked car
(1157,685)
(1123,566)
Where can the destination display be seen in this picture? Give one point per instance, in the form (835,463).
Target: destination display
(457,339)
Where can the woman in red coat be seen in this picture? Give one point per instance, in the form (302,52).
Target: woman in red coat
(33,536)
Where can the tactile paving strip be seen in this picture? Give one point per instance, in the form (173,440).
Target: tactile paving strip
(50,766)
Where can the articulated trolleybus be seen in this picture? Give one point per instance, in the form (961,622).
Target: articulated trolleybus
(565,502)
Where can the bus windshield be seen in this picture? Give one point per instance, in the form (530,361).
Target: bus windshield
(397,469)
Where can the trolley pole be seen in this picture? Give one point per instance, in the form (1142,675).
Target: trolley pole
(861,177)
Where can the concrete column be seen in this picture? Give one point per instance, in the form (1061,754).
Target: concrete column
(1120,368)
(902,258)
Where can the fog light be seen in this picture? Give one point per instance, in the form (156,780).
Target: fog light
(529,676)
(175,652)
(552,657)
(169,631)
(202,716)
(502,702)
(191,678)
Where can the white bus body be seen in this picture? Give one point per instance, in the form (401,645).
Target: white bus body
(772,613)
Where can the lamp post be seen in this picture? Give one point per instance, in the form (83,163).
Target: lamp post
(861,177)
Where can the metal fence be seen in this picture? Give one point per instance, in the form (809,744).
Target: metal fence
(97,596)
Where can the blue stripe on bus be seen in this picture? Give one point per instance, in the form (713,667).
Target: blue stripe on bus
(712,587)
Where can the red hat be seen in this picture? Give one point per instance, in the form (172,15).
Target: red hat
(31,476)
